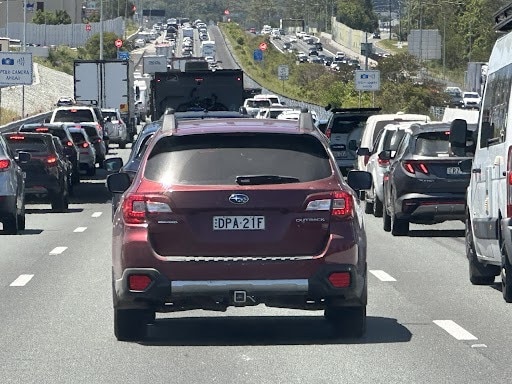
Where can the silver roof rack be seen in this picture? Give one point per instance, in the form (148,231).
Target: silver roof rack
(503,19)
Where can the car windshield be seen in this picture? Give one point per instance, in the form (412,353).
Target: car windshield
(29,144)
(258,103)
(346,125)
(220,159)
(74,115)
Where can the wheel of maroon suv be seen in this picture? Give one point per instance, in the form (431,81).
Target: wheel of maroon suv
(130,324)
(347,321)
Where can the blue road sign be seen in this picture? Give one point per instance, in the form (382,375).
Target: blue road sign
(258,55)
(123,55)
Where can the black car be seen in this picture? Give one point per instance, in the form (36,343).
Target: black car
(66,163)
(46,172)
(62,132)
(424,183)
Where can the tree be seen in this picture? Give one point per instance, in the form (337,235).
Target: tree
(357,14)
(51,18)
(92,47)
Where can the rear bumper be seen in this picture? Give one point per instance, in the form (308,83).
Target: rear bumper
(431,208)
(166,295)
(39,185)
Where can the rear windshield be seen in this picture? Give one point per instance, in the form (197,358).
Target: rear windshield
(345,124)
(258,103)
(432,144)
(74,116)
(78,137)
(60,133)
(111,114)
(27,144)
(219,159)
(91,131)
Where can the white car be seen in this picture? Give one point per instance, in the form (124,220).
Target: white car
(86,148)
(471,100)
(294,114)
(139,43)
(115,126)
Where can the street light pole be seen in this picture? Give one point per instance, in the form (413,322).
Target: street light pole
(101,29)
(24,50)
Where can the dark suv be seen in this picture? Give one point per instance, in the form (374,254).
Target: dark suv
(62,132)
(238,212)
(424,183)
(345,129)
(46,171)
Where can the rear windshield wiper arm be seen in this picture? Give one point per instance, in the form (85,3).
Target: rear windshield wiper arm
(265,179)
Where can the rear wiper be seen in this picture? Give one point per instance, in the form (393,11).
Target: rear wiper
(265,179)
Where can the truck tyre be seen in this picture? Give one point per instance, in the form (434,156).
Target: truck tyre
(130,324)
(347,321)
(479,274)
(11,224)
(506,276)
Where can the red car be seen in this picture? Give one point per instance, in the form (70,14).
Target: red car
(238,212)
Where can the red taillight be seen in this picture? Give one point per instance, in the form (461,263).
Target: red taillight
(328,133)
(383,163)
(4,164)
(414,166)
(138,282)
(98,140)
(85,145)
(339,279)
(51,160)
(137,207)
(409,167)
(509,182)
(339,203)
(366,158)
(69,144)
(41,129)
(423,168)
(19,137)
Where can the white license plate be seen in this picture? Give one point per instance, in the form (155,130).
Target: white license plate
(454,171)
(340,154)
(238,223)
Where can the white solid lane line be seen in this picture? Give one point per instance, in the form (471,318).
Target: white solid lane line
(455,330)
(80,229)
(21,280)
(96,214)
(58,250)
(381,275)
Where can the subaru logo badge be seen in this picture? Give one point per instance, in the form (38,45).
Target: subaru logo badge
(238,198)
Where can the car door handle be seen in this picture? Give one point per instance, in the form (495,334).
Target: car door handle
(476,170)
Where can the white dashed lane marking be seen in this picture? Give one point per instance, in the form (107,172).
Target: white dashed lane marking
(96,214)
(80,229)
(382,276)
(455,330)
(21,280)
(58,250)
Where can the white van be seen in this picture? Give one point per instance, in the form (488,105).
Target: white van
(375,124)
(489,196)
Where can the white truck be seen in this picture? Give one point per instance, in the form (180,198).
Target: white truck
(107,84)
(208,49)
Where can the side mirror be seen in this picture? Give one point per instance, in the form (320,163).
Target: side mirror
(118,182)
(485,134)
(385,155)
(113,164)
(352,145)
(465,165)
(24,157)
(458,134)
(363,152)
(359,180)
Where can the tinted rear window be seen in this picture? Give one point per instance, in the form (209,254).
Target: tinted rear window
(112,115)
(77,137)
(345,124)
(433,144)
(258,103)
(219,159)
(60,133)
(28,144)
(91,131)
(74,115)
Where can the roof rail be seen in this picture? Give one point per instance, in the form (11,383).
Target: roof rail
(503,19)
(169,123)
(306,122)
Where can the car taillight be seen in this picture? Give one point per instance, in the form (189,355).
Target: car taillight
(51,161)
(414,166)
(5,164)
(509,182)
(328,133)
(98,140)
(339,279)
(85,145)
(99,128)
(366,159)
(137,207)
(382,163)
(138,282)
(339,203)
(69,144)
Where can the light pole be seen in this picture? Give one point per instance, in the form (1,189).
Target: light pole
(101,29)
(24,50)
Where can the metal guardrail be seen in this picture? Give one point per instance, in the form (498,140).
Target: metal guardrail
(12,127)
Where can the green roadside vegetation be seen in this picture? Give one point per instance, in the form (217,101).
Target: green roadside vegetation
(400,90)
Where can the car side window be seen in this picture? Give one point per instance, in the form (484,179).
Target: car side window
(376,142)
(402,147)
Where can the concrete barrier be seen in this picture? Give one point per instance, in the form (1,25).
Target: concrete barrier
(12,127)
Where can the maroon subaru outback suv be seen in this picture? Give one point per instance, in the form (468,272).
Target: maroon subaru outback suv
(238,212)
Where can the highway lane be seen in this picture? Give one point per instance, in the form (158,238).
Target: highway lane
(426,322)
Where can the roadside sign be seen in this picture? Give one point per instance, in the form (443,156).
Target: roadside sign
(367,80)
(123,55)
(118,43)
(263,46)
(283,72)
(88,27)
(152,64)
(258,55)
(15,68)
